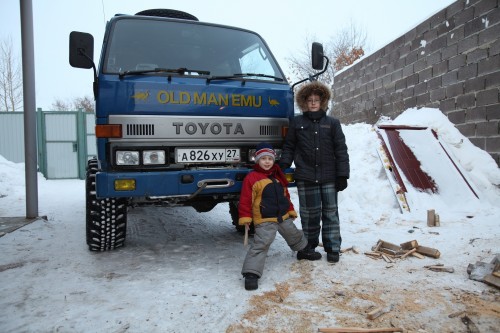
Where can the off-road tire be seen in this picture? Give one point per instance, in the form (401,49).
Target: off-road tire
(106,219)
(168,13)
(233,211)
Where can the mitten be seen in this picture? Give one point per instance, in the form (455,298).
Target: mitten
(341,183)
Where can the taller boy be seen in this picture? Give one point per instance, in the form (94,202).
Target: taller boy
(316,143)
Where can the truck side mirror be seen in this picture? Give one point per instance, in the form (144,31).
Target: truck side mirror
(81,50)
(317,56)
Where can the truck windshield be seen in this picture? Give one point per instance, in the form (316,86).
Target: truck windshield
(139,44)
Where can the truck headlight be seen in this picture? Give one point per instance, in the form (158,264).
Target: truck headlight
(127,157)
(153,157)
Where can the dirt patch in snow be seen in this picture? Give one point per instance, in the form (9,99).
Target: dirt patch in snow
(312,299)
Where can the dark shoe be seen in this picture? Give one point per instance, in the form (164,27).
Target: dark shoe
(332,257)
(251,281)
(308,254)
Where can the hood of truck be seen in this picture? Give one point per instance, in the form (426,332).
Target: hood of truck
(183,96)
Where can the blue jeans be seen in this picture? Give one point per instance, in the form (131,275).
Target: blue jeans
(318,203)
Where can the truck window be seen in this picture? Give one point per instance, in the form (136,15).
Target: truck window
(137,44)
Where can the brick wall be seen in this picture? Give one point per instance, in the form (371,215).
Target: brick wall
(451,61)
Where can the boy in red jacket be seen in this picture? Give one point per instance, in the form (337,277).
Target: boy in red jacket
(265,201)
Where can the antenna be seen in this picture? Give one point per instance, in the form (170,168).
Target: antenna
(103,13)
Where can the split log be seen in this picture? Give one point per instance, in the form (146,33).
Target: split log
(377,312)
(388,251)
(428,251)
(387,259)
(408,253)
(431,218)
(376,247)
(346,250)
(409,245)
(492,280)
(437,220)
(390,246)
(418,255)
(355,249)
(456,314)
(359,329)
(374,254)
(440,268)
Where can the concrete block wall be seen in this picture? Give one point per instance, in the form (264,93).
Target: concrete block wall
(451,61)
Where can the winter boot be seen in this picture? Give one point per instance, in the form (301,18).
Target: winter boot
(251,281)
(332,257)
(308,253)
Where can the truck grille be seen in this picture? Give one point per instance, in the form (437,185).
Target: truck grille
(269,130)
(140,129)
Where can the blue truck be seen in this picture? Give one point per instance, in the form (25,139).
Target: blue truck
(180,106)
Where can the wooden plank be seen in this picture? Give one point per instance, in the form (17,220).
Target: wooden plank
(359,329)
(428,251)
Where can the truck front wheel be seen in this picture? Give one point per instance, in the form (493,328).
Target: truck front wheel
(106,219)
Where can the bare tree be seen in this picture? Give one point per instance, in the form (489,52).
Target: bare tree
(85,103)
(60,105)
(345,47)
(300,64)
(11,82)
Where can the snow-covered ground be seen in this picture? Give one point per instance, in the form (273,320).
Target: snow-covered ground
(180,270)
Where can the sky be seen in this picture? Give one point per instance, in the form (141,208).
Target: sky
(284,25)
(180,270)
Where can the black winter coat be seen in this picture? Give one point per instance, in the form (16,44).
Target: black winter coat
(318,149)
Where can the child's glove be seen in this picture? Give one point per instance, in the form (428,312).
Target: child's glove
(341,183)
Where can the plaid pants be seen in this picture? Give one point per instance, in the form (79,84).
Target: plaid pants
(318,203)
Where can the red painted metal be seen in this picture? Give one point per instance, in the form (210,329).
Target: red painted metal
(406,160)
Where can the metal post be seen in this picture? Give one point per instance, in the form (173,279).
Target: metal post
(30,154)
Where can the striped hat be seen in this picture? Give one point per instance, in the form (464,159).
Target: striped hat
(264,149)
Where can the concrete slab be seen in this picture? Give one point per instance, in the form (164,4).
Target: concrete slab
(10,224)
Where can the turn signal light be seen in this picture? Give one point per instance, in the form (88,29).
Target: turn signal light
(108,131)
(284,131)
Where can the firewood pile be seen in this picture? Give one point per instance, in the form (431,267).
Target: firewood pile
(391,253)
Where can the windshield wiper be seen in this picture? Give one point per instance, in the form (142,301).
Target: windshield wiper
(241,75)
(259,75)
(180,71)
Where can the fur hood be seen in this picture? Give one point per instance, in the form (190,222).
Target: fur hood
(313,87)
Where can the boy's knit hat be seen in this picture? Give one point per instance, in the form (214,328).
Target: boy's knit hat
(264,149)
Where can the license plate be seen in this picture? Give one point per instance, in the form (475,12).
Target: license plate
(208,155)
